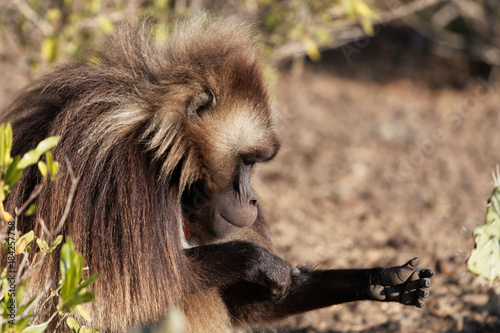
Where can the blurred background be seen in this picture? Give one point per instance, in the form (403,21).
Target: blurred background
(390,122)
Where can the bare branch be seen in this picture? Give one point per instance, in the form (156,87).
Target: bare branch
(31,15)
(74,182)
(24,263)
(36,192)
(347,31)
(45,230)
(37,299)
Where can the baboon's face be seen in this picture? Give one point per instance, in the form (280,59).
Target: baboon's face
(232,128)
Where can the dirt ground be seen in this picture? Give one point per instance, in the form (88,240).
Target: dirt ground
(383,160)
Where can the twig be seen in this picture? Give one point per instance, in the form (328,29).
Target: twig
(31,15)
(33,266)
(388,16)
(61,320)
(35,301)
(32,197)
(406,10)
(74,182)
(24,263)
(92,22)
(346,31)
(54,294)
(45,230)
(452,46)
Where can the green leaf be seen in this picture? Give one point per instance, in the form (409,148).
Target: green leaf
(7,295)
(78,299)
(53,15)
(5,146)
(52,165)
(31,210)
(94,6)
(81,310)
(8,139)
(23,244)
(362,9)
(20,292)
(42,245)
(367,27)
(312,50)
(43,168)
(21,324)
(13,174)
(86,282)
(47,144)
(485,258)
(493,210)
(23,308)
(29,158)
(36,328)
(50,49)
(73,324)
(55,243)
(160,33)
(160,5)
(5,214)
(71,265)
(105,24)
(32,156)
(2,147)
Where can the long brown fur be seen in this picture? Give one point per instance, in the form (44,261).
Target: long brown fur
(123,129)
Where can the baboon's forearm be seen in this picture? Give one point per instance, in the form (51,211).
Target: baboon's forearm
(314,289)
(310,290)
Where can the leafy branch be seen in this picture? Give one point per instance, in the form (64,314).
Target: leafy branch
(71,291)
(485,258)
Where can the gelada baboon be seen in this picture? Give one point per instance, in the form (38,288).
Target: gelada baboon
(163,141)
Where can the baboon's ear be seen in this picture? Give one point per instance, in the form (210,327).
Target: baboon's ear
(201,103)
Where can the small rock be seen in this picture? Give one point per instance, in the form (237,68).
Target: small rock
(476,299)
(445,267)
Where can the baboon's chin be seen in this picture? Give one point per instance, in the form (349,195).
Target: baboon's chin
(223,227)
(219,229)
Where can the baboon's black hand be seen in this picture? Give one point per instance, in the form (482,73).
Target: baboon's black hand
(270,271)
(405,284)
